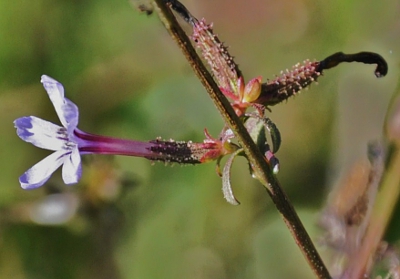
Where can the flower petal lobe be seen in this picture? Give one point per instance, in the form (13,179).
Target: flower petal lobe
(37,175)
(66,110)
(40,133)
(72,168)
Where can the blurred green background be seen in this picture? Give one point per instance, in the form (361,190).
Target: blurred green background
(128,218)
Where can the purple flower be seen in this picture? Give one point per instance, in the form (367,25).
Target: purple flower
(49,136)
(69,143)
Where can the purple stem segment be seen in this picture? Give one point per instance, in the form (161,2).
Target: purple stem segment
(158,150)
(90,143)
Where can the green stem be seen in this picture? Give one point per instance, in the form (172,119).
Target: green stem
(260,166)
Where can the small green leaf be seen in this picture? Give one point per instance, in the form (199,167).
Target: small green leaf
(226,180)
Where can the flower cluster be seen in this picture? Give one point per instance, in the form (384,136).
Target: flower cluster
(69,143)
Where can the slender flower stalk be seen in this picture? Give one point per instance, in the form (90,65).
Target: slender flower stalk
(69,143)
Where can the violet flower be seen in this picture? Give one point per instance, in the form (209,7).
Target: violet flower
(69,143)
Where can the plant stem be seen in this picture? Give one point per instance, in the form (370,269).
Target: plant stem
(387,197)
(385,203)
(260,166)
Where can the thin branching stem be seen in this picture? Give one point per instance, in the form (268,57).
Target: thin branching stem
(386,199)
(260,166)
(385,203)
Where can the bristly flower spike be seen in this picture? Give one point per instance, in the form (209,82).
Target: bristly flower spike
(222,65)
(69,143)
(302,75)
(225,71)
(289,83)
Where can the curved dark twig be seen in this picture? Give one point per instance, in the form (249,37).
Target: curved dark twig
(181,10)
(363,57)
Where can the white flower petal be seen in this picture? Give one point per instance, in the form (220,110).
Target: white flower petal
(54,89)
(70,116)
(37,175)
(40,133)
(72,169)
(66,110)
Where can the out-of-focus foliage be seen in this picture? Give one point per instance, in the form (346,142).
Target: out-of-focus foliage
(131,219)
